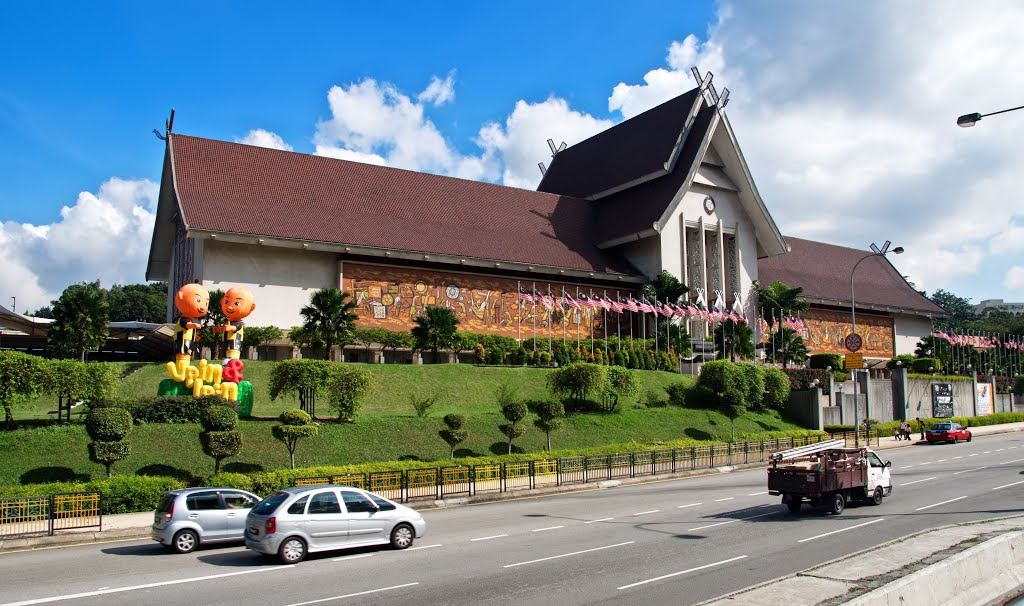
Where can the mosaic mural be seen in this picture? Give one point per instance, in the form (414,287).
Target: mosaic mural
(390,297)
(826,330)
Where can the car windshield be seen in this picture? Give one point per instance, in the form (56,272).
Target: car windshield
(269,504)
(942,427)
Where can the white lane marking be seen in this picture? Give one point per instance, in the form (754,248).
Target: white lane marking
(942,460)
(940,503)
(986,452)
(925,463)
(595,521)
(493,536)
(1013,461)
(89,594)
(906,467)
(956,473)
(725,499)
(353,557)
(547,528)
(760,515)
(643,513)
(818,536)
(960,457)
(424,547)
(1010,447)
(1008,485)
(973,454)
(916,481)
(565,555)
(352,595)
(1000,450)
(688,505)
(102,588)
(757,494)
(675,574)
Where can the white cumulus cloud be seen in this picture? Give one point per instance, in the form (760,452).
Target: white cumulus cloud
(1014,279)
(264,138)
(439,91)
(104,235)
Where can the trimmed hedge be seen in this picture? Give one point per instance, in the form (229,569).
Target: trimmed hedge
(169,409)
(926,365)
(108,424)
(120,494)
(941,378)
(219,418)
(802,379)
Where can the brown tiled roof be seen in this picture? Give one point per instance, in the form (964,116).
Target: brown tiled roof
(628,151)
(242,189)
(823,271)
(637,208)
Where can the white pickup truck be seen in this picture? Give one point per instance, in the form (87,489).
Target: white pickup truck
(828,475)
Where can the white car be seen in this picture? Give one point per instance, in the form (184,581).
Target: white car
(293,522)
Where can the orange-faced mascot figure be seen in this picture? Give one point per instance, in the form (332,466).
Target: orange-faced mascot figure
(236,304)
(192,301)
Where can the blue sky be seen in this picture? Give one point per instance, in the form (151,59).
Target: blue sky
(844,111)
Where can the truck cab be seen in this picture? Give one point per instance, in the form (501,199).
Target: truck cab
(828,475)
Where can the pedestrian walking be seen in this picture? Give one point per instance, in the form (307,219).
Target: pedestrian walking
(920,426)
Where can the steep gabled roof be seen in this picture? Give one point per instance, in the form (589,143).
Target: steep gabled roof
(630,152)
(823,271)
(229,188)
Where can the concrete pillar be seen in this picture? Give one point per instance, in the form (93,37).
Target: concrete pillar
(900,404)
(251,353)
(296,353)
(378,356)
(974,395)
(417,357)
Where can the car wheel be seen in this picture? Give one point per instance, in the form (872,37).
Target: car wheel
(292,550)
(968,436)
(402,536)
(956,440)
(794,506)
(838,503)
(185,541)
(876,497)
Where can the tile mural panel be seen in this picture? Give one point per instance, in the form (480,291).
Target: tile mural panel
(826,330)
(390,297)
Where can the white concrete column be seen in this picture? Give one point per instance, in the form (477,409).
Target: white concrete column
(721,260)
(682,238)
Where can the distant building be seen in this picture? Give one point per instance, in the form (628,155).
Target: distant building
(126,341)
(891,316)
(999,305)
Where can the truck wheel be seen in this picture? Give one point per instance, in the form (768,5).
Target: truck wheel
(876,497)
(793,505)
(838,503)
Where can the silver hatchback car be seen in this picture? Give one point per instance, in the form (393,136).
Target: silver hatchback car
(186,518)
(293,522)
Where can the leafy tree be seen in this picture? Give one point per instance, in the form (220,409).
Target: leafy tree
(779,300)
(436,329)
(390,339)
(304,377)
(138,302)
(346,386)
(734,340)
(72,381)
(43,312)
(753,384)
(787,347)
(108,428)
(620,382)
(577,381)
(80,318)
(777,388)
(294,425)
(329,320)
(960,309)
(453,434)
(666,288)
(214,317)
(21,377)
(549,417)
(723,383)
(258,336)
(220,439)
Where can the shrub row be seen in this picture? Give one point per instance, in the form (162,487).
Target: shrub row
(124,494)
(165,409)
(751,386)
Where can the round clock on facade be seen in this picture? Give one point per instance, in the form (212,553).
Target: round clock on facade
(709,204)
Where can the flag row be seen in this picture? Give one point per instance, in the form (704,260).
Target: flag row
(619,306)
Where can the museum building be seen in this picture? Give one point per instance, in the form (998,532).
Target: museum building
(668,189)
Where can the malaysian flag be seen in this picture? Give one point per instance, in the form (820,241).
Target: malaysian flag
(631,305)
(525,296)
(573,303)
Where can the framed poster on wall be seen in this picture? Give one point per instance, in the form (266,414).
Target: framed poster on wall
(983,399)
(942,400)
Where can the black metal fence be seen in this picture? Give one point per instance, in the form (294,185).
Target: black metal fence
(470,480)
(39,515)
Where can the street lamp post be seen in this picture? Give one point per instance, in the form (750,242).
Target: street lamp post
(969,120)
(875,252)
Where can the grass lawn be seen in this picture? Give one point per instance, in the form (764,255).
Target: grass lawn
(386,427)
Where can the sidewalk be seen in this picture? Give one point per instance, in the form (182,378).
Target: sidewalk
(125,526)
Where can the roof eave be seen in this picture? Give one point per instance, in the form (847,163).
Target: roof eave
(877,307)
(390,253)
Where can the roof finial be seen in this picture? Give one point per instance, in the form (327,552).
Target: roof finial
(555,150)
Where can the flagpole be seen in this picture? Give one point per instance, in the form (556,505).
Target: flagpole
(605,322)
(562,306)
(579,319)
(591,291)
(519,310)
(534,317)
(549,317)
(618,320)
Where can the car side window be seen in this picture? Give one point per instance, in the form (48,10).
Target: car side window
(298,507)
(356,503)
(874,461)
(203,501)
(235,500)
(324,502)
(382,503)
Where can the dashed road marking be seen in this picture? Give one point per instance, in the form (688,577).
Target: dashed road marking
(688,505)
(1008,485)
(352,595)
(941,503)
(956,473)
(760,515)
(565,555)
(681,572)
(493,536)
(725,499)
(643,513)
(595,521)
(916,481)
(547,528)
(819,536)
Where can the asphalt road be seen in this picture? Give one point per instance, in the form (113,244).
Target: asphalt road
(668,542)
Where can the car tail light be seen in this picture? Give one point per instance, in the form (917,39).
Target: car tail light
(170,511)
(271,526)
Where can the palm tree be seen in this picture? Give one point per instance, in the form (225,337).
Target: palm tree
(436,329)
(329,320)
(779,300)
(734,340)
(787,346)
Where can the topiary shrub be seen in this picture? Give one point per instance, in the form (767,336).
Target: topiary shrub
(901,361)
(295,425)
(108,428)
(347,385)
(826,360)
(549,417)
(776,389)
(514,412)
(220,440)
(926,365)
(577,381)
(496,356)
(453,434)
(171,409)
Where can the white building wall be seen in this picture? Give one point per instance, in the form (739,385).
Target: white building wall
(908,331)
(281,279)
(645,255)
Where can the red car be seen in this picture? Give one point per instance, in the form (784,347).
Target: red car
(947,431)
